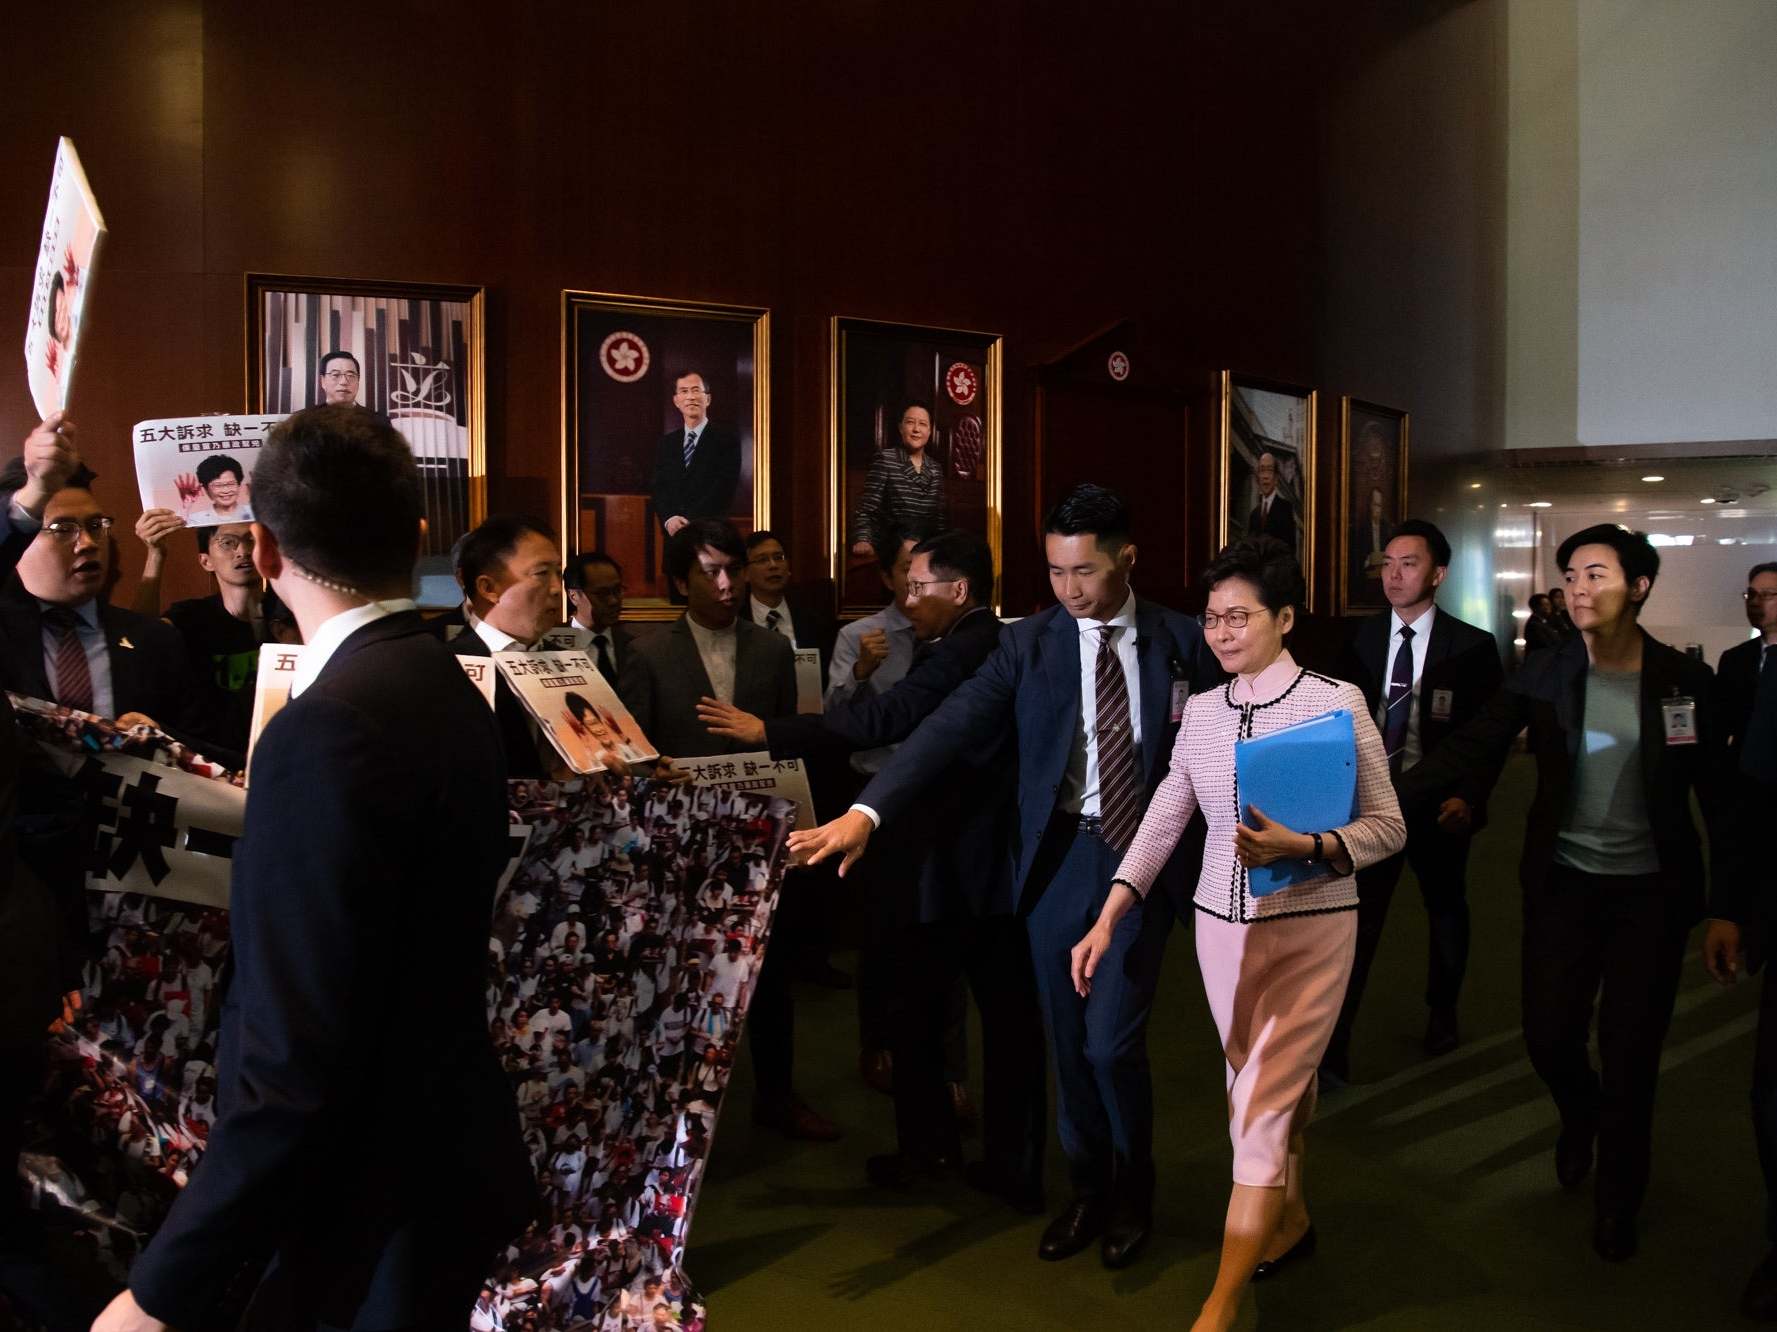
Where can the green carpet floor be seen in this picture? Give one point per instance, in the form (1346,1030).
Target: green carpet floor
(1431,1182)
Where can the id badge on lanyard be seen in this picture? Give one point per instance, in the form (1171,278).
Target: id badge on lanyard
(1679,716)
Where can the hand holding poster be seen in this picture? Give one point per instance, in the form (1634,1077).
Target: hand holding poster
(575,707)
(73,231)
(200,467)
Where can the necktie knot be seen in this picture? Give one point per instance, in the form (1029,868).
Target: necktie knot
(1406,633)
(773,619)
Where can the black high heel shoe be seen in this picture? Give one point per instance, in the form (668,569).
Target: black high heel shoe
(1302,1248)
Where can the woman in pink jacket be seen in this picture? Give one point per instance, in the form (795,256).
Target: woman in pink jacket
(1274,967)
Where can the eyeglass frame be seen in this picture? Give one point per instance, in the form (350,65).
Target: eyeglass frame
(1753,594)
(341,376)
(916,586)
(231,543)
(1209,621)
(95,527)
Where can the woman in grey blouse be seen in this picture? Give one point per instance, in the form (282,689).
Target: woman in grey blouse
(904,489)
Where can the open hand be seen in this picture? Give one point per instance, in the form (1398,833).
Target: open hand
(156,525)
(726,720)
(849,833)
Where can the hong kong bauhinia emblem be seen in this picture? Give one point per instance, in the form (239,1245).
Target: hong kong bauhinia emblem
(624,356)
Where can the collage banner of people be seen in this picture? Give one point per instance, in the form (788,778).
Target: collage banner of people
(622,955)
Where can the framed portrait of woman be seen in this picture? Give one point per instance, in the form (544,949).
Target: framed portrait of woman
(1267,465)
(1372,498)
(915,445)
(410,350)
(665,419)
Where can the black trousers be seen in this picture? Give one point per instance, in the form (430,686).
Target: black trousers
(1764,1095)
(1618,942)
(1440,862)
(994,955)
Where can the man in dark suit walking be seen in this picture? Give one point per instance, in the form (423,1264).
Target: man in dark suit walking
(595,603)
(375,835)
(1423,672)
(697,466)
(1273,515)
(945,907)
(1094,689)
(1622,730)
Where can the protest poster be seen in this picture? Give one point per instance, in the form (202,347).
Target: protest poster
(750,774)
(566,638)
(200,467)
(809,681)
(577,709)
(62,289)
(623,951)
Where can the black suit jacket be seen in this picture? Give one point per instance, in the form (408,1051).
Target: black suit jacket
(1279,523)
(1548,695)
(1736,686)
(150,670)
(623,642)
(1459,658)
(367,1132)
(813,627)
(957,836)
(1750,800)
(706,488)
(1030,685)
(665,678)
(522,746)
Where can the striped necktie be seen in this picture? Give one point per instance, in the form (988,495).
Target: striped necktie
(1400,700)
(690,445)
(1119,792)
(73,678)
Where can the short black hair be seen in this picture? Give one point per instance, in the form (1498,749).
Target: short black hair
(760,536)
(1268,565)
(339,489)
(1434,539)
(575,574)
(215,465)
(682,546)
(493,542)
(1540,596)
(960,554)
(337,354)
(1093,509)
(1634,552)
(686,374)
(1769,567)
(889,550)
(13,477)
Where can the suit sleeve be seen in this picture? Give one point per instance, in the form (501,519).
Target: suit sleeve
(1721,791)
(14,537)
(873,720)
(975,716)
(635,686)
(307,941)
(1490,677)
(1378,830)
(1476,749)
(667,503)
(786,676)
(724,480)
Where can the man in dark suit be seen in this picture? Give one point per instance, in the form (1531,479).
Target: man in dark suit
(711,654)
(1623,730)
(769,605)
(510,567)
(60,639)
(595,604)
(1273,515)
(1093,686)
(375,835)
(1740,925)
(1423,672)
(697,466)
(1540,631)
(944,908)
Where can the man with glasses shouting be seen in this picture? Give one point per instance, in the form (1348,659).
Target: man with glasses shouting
(59,638)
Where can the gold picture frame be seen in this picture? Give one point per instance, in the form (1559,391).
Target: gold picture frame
(420,349)
(878,371)
(1373,457)
(1260,417)
(622,357)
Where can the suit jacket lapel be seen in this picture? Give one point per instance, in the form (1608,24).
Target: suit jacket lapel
(1371,649)
(1154,650)
(127,667)
(691,660)
(1061,668)
(22,625)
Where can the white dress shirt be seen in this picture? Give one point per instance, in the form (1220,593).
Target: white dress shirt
(843,686)
(1410,751)
(717,648)
(762,613)
(98,656)
(333,631)
(498,640)
(1079,789)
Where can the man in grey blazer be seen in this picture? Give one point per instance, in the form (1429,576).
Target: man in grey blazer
(713,652)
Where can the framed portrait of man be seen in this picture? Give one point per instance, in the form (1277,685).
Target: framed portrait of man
(1267,464)
(1372,498)
(915,444)
(666,419)
(412,351)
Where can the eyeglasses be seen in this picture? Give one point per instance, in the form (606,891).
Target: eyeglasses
(65,529)
(1235,619)
(230,545)
(917,588)
(691,393)
(1751,595)
(775,557)
(341,376)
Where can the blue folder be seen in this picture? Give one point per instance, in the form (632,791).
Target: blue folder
(1304,777)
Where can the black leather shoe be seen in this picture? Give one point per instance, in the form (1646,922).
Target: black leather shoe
(1020,1196)
(1759,1300)
(1302,1248)
(1613,1236)
(1079,1224)
(1441,1034)
(902,1170)
(1573,1157)
(1125,1237)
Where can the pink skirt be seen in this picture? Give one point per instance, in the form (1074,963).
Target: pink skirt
(1275,989)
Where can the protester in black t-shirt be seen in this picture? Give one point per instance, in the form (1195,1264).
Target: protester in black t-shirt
(223,632)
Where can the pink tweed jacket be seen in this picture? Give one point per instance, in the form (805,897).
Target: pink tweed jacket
(1202,776)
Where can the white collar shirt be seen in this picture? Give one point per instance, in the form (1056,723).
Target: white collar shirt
(1080,788)
(717,649)
(762,617)
(91,633)
(333,631)
(498,640)
(1410,747)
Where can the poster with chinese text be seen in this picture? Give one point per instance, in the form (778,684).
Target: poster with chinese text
(200,467)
